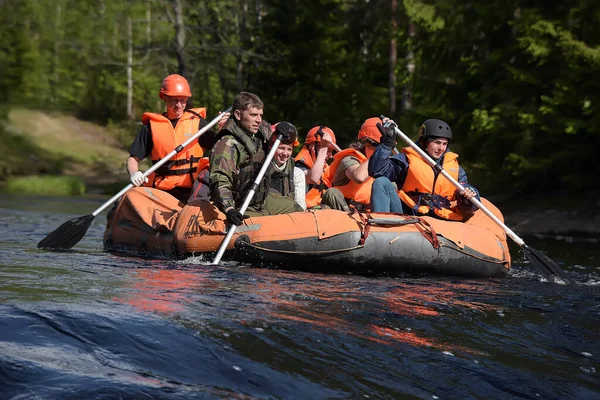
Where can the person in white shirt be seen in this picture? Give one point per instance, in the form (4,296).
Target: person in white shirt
(284,177)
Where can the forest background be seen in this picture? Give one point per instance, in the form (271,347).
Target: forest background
(518,81)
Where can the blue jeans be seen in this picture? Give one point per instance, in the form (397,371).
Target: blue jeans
(384,197)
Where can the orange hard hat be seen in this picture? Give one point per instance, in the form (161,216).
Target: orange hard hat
(175,85)
(369,129)
(316,133)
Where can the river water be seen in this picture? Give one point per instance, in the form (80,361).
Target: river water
(86,324)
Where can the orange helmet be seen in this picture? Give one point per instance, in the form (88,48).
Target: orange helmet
(316,133)
(175,85)
(369,129)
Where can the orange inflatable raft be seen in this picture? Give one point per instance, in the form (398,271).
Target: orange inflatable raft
(151,223)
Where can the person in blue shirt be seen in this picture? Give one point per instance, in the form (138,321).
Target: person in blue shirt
(406,183)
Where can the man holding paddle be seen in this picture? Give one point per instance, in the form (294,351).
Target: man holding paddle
(420,189)
(237,157)
(161,133)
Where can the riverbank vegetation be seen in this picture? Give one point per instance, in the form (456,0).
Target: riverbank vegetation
(46,145)
(517,81)
(46,185)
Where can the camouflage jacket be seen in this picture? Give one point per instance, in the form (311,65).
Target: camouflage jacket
(235,160)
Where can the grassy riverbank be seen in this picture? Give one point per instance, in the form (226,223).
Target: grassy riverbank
(47,147)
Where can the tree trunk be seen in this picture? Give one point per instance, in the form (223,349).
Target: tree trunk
(393,59)
(129,69)
(148,26)
(242,32)
(102,12)
(55,56)
(410,68)
(180,38)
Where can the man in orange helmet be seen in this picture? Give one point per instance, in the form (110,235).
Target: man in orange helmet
(349,173)
(162,133)
(312,160)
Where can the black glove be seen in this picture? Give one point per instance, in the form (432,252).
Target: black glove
(234,217)
(388,136)
(287,131)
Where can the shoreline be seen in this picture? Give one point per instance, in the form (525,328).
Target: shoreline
(572,214)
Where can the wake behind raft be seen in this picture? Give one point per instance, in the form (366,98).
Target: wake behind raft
(148,222)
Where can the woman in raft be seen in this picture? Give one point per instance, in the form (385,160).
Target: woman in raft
(284,177)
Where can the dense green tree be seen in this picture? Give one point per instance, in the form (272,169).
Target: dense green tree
(16,53)
(325,64)
(515,79)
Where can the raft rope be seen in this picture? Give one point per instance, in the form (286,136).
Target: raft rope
(422,226)
(367,227)
(426,230)
(428,233)
(325,252)
(318,252)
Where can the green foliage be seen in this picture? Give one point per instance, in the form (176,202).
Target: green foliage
(46,185)
(517,81)
(14,51)
(322,70)
(518,84)
(424,15)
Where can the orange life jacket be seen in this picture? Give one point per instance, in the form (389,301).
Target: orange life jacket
(422,187)
(355,192)
(314,195)
(182,169)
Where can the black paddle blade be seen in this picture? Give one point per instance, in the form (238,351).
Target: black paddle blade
(544,264)
(68,234)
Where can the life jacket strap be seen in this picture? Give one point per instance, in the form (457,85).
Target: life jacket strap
(431,200)
(166,170)
(163,171)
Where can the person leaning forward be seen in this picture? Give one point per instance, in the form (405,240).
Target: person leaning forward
(312,160)
(162,133)
(348,173)
(236,159)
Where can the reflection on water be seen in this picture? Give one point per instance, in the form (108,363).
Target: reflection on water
(164,290)
(87,324)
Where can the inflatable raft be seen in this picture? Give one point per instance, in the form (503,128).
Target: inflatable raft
(151,223)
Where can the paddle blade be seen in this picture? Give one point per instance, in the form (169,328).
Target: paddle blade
(544,264)
(68,234)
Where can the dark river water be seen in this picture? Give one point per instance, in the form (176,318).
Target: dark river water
(86,324)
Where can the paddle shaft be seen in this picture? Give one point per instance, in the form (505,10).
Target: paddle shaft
(446,175)
(248,198)
(160,163)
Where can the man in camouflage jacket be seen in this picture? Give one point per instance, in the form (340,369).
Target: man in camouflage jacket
(235,160)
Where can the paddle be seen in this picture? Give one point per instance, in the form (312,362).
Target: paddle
(544,265)
(248,198)
(70,233)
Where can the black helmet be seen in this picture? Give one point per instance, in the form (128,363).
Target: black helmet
(435,128)
(288,132)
